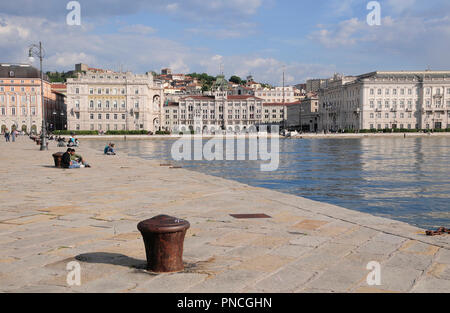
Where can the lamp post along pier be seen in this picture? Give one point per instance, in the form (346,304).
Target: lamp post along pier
(37,51)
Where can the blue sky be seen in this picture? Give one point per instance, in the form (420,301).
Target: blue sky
(309,39)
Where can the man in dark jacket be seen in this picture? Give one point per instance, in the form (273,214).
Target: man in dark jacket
(66,162)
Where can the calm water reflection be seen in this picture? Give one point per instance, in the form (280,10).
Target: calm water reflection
(403,179)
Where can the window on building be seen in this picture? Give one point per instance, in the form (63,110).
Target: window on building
(99,116)
(91,116)
(33,111)
(91,104)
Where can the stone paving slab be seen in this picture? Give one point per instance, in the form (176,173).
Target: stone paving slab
(50,217)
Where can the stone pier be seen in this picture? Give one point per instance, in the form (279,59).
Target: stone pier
(50,217)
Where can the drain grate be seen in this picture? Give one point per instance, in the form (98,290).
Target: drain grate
(250,216)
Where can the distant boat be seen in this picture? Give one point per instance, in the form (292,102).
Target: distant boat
(292,134)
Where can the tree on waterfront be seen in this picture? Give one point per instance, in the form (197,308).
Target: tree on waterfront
(236,80)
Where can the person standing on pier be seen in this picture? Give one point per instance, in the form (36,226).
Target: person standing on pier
(13,135)
(7,135)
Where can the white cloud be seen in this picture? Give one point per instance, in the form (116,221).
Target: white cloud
(400,6)
(138,52)
(138,29)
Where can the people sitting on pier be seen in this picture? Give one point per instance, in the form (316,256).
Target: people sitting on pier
(109,149)
(66,161)
(78,159)
(73,142)
(61,141)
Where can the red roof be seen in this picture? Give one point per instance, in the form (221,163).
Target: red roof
(59,86)
(242,97)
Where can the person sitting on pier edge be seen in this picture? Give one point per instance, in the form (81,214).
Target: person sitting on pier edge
(109,149)
(78,159)
(66,161)
(61,141)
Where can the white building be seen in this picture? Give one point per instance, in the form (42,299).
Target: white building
(277,95)
(105,100)
(217,112)
(386,100)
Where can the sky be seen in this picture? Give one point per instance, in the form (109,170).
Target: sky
(305,38)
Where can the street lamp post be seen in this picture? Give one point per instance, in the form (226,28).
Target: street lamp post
(37,51)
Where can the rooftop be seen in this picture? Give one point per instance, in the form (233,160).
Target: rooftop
(8,70)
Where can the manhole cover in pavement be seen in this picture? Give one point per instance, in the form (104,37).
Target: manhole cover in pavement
(249,216)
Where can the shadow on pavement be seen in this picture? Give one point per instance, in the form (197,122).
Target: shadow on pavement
(112,258)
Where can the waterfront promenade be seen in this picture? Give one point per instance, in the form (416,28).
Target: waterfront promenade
(50,217)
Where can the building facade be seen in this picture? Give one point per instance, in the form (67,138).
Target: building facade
(304,115)
(20,99)
(386,100)
(106,100)
(277,95)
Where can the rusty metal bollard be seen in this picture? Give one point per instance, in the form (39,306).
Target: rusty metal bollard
(164,239)
(57,157)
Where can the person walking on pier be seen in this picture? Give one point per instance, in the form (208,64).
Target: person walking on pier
(13,135)
(7,134)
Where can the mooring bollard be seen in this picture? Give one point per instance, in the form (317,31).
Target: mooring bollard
(164,239)
(57,157)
